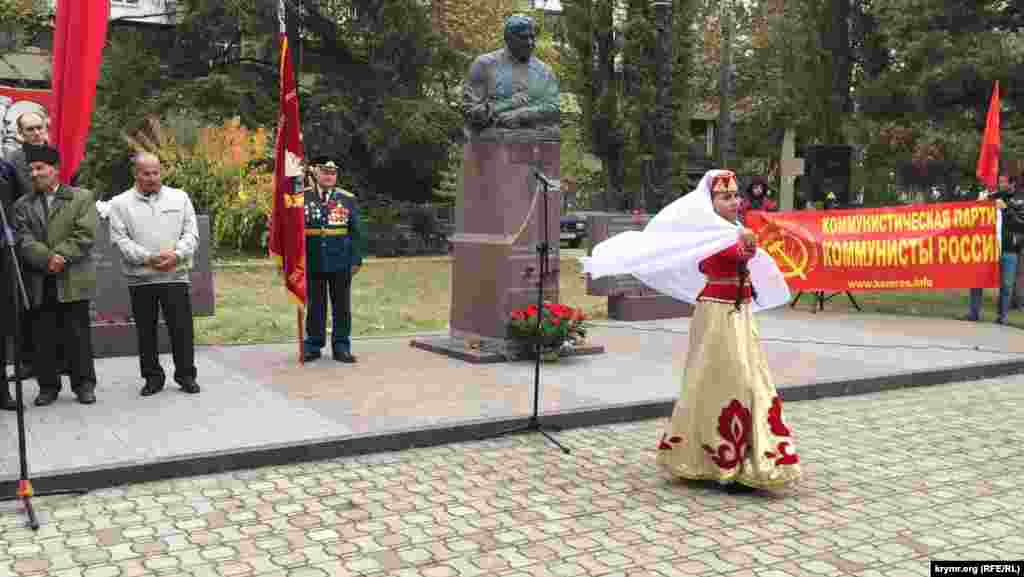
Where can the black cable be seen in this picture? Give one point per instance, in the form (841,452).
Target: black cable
(975,348)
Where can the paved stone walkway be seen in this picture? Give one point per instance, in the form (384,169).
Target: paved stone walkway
(891,480)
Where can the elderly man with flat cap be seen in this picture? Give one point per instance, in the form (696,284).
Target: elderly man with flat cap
(334,254)
(55,228)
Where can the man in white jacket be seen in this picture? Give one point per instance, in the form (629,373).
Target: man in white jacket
(154,227)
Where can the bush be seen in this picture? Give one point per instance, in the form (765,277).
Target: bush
(221,169)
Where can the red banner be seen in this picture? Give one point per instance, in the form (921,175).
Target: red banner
(78,41)
(288,220)
(917,247)
(41,97)
(988,158)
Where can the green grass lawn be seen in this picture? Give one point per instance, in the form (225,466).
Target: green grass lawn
(406,295)
(389,297)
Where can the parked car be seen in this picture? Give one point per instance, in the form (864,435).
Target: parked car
(573,229)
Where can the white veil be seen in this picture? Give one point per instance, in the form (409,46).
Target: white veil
(667,253)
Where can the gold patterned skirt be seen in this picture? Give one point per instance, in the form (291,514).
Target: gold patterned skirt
(727,425)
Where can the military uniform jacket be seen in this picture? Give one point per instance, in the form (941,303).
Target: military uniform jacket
(335,238)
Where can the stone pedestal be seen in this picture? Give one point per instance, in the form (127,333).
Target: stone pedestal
(495,266)
(494,271)
(113,329)
(628,298)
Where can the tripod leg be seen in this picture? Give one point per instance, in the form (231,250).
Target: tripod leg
(796,300)
(553,440)
(854,302)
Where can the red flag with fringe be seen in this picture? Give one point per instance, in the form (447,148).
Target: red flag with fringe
(287,222)
(988,158)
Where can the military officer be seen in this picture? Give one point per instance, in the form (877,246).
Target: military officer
(335,243)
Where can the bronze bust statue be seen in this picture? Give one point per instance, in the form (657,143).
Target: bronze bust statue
(509,92)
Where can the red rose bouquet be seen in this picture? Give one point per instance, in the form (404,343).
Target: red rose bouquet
(558,324)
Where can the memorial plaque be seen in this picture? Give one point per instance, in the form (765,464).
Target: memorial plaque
(113,329)
(110,311)
(628,298)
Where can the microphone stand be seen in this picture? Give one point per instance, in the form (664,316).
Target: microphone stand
(534,424)
(21,303)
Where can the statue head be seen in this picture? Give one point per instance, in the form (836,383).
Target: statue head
(520,36)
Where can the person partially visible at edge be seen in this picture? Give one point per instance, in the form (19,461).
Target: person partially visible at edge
(32,131)
(1012,242)
(55,229)
(154,228)
(726,377)
(756,197)
(334,254)
(9,192)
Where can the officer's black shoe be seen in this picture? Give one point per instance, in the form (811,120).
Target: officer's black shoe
(344,357)
(86,396)
(190,386)
(309,356)
(46,398)
(152,387)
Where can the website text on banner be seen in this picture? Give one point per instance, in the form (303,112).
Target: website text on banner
(950,245)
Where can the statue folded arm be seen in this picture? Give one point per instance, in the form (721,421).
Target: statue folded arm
(478,108)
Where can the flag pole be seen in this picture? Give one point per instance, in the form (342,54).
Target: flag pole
(298,317)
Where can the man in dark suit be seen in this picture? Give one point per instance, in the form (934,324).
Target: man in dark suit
(55,228)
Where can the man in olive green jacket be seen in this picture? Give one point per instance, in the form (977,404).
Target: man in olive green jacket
(55,228)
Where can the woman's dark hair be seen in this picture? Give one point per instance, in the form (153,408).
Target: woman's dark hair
(757,180)
(744,273)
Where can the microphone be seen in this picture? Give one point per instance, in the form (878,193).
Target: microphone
(548,183)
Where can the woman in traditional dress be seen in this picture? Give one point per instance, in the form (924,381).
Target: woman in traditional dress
(727,425)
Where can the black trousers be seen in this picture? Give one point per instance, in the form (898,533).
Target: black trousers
(337,286)
(175,302)
(58,326)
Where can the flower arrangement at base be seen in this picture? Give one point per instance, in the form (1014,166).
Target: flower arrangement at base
(559,324)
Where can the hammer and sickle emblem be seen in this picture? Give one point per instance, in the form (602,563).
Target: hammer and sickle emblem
(791,251)
(793,268)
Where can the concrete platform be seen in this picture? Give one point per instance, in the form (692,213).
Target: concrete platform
(259,407)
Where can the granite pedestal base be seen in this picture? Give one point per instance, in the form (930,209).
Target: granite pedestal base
(486,351)
(647,307)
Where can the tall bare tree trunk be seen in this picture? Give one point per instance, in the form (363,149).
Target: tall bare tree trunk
(725,130)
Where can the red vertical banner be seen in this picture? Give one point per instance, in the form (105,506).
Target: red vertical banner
(287,222)
(988,158)
(78,41)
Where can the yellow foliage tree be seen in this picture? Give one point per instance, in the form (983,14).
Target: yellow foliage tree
(220,172)
(474,26)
